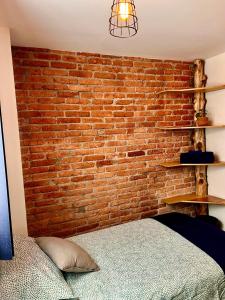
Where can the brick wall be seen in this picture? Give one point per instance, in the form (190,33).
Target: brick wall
(90,148)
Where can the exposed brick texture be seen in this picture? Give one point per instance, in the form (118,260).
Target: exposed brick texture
(90,149)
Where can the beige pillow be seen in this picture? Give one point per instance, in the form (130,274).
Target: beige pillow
(67,255)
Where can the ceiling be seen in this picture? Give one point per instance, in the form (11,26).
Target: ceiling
(168,29)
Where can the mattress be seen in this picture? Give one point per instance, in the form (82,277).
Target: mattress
(146,260)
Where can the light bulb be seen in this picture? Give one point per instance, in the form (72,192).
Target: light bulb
(123,21)
(124,10)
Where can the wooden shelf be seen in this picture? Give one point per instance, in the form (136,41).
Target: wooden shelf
(192,198)
(190,127)
(194,90)
(173,164)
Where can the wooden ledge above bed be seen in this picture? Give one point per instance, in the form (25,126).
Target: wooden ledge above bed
(192,198)
(190,127)
(173,164)
(194,90)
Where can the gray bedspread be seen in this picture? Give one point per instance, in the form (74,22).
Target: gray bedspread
(146,260)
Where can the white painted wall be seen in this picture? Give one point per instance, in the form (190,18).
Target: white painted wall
(11,135)
(215,69)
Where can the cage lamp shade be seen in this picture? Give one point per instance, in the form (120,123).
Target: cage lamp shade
(123,22)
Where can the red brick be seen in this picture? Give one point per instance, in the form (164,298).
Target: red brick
(35,63)
(77,114)
(85,74)
(42,121)
(82,178)
(123,114)
(136,153)
(103,163)
(104,75)
(68,120)
(63,65)
(94,157)
(55,72)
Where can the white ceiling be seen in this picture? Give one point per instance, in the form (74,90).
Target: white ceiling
(170,29)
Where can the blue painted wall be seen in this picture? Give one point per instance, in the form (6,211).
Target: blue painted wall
(6,243)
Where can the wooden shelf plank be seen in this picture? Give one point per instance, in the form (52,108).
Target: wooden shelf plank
(173,164)
(190,127)
(192,198)
(194,90)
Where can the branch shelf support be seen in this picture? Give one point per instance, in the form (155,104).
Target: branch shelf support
(199,140)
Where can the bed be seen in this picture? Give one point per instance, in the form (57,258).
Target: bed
(145,259)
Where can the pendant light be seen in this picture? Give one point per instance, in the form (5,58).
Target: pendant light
(123,22)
